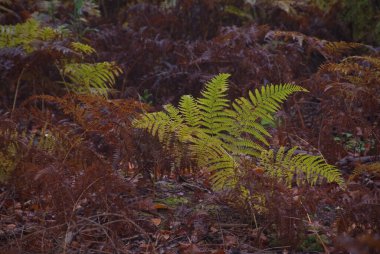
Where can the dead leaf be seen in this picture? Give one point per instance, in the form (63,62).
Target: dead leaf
(35,207)
(160,206)
(165,234)
(11,227)
(213,229)
(258,170)
(156,221)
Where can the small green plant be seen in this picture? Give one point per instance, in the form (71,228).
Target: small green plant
(308,169)
(89,78)
(313,244)
(174,201)
(15,146)
(146,97)
(8,155)
(353,144)
(222,136)
(26,35)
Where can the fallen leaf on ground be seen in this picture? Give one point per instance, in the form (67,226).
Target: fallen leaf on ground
(156,221)
(161,206)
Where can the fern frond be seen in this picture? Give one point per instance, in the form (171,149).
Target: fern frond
(224,176)
(328,49)
(82,48)
(338,48)
(210,152)
(268,100)
(261,106)
(190,111)
(20,34)
(25,34)
(217,134)
(345,68)
(242,146)
(213,104)
(205,147)
(92,78)
(361,71)
(155,123)
(372,169)
(301,168)
(175,127)
(9,152)
(14,146)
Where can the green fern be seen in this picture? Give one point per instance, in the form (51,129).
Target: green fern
(82,48)
(8,153)
(301,168)
(95,78)
(15,146)
(212,107)
(26,34)
(220,136)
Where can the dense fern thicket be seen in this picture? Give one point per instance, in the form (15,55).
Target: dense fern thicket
(240,166)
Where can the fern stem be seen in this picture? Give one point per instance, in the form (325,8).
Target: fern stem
(316,232)
(62,74)
(16,92)
(299,113)
(7,10)
(254,215)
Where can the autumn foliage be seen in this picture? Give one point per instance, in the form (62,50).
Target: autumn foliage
(77,176)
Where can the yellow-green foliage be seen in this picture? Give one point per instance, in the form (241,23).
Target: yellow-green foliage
(357,74)
(82,48)
(370,169)
(8,154)
(301,168)
(14,146)
(26,34)
(94,78)
(219,135)
(359,70)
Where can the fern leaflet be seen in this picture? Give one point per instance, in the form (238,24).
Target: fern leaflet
(95,78)
(301,168)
